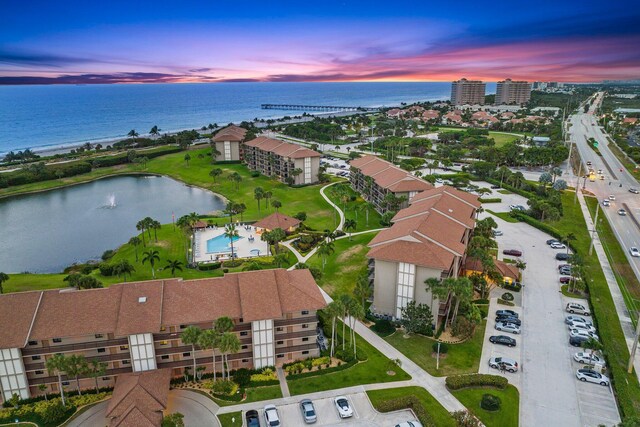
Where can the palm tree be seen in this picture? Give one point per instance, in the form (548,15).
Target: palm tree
(237,179)
(229,343)
(356,313)
(190,336)
(570,237)
(325,249)
(155,131)
(76,365)
(280,259)
(151,257)
(43,388)
(96,369)
(155,225)
(231,233)
(462,290)
(208,340)
(258,194)
(277,204)
(222,326)
(123,267)
(267,196)
(187,157)
(133,134)
(135,241)
(174,265)
(350,225)
(439,291)
(333,310)
(57,364)
(3,278)
(362,290)
(296,172)
(140,226)
(216,172)
(593,345)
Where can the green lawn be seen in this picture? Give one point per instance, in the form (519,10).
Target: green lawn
(343,266)
(354,209)
(254,394)
(372,370)
(508,415)
(503,191)
(505,216)
(461,359)
(232,419)
(501,138)
(441,417)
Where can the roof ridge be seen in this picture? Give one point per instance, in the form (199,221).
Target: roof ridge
(291,282)
(33,319)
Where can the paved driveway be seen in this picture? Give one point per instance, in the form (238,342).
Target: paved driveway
(364,414)
(550,394)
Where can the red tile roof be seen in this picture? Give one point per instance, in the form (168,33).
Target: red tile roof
(285,149)
(389,176)
(277,220)
(230,133)
(139,398)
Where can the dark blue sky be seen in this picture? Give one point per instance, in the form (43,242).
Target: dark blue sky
(140,41)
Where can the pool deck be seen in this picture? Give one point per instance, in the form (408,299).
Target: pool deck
(241,247)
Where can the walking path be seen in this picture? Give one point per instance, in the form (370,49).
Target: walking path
(616,294)
(284,387)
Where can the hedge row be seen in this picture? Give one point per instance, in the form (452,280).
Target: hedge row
(322,371)
(490,200)
(456,382)
(411,402)
(519,191)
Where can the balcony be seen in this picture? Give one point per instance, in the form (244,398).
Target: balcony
(74,347)
(295,321)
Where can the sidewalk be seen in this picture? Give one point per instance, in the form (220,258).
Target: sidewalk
(616,294)
(284,387)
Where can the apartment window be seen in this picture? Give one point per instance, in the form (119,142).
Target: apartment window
(65,382)
(245,360)
(406,282)
(305,352)
(124,347)
(164,357)
(187,354)
(39,372)
(280,356)
(305,339)
(105,378)
(305,312)
(126,362)
(227,150)
(305,326)
(33,342)
(164,342)
(163,328)
(101,350)
(244,347)
(57,340)
(99,336)
(183,326)
(35,357)
(241,320)
(142,352)
(244,333)
(279,342)
(279,329)
(307,170)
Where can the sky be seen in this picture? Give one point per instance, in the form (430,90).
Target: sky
(297,41)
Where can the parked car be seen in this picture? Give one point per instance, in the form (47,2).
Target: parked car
(565,271)
(581,326)
(577,341)
(507,313)
(622,212)
(565,279)
(552,241)
(308,411)
(634,191)
(634,251)
(606,203)
(343,407)
(509,364)
(252,418)
(497,233)
(558,246)
(512,252)
(589,375)
(502,340)
(583,357)
(583,333)
(612,197)
(574,318)
(411,423)
(509,319)
(589,163)
(271,416)
(575,308)
(561,266)
(507,327)
(495,187)
(562,256)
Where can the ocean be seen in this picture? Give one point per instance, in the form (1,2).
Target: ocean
(46,117)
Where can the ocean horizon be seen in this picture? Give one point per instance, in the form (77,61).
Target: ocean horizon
(41,117)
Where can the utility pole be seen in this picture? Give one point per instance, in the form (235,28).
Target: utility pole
(634,347)
(438,356)
(595,225)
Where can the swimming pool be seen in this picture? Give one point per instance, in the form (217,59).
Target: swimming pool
(220,244)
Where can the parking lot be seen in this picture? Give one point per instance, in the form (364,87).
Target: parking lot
(363,413)
(336,166)
(550,393)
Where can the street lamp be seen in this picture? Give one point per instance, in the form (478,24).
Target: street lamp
(438,356)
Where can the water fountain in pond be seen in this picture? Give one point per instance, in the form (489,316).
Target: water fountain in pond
(111,202)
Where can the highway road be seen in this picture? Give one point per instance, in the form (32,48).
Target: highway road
(617,182)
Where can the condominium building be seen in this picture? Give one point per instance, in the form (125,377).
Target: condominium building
(136,327)
(427,239)
(375,178)
(228,143)
(512,92)
(273,157)
(465,91)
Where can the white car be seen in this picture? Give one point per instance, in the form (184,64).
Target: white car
(588,375)
(577,319)
(497,233)
(634,251)
(612,197)
(343,407)
(590,358)
(507,327)
(575,308)
(271,416)
(622,212)
(583,334)
(582,327)
(605,202)
(558,246)
(411,423)
(509,364)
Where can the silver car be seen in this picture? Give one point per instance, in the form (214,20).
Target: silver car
(577,319)
(581,326)
(308,411)
(590,358)
(588,375)
(507,327)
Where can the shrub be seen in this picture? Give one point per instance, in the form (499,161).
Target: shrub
(345,354)
(507,296)
(86,399)
(108,254)
(514,287)
(490,402)
(224,387)
(243,377)
(444,348)
(507,303)
(233,263)
(319,361)
(383,327)
(490,200)
(267,374)
(51,411)
(410,402)
(106,269)
(457,382)
(462,327)
(255,174)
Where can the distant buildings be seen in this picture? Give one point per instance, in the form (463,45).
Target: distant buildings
(466,91)
(512,92)
(292,163)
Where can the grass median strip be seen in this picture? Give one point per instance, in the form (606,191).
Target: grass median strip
(437,412)
(232,419)
(507,415)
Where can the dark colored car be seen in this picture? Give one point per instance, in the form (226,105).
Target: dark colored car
(577,341)
(511,313)
(253,420)
(513,252)
(565,279)
(509,319)
(503,340)
(562,256)
(495,187)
